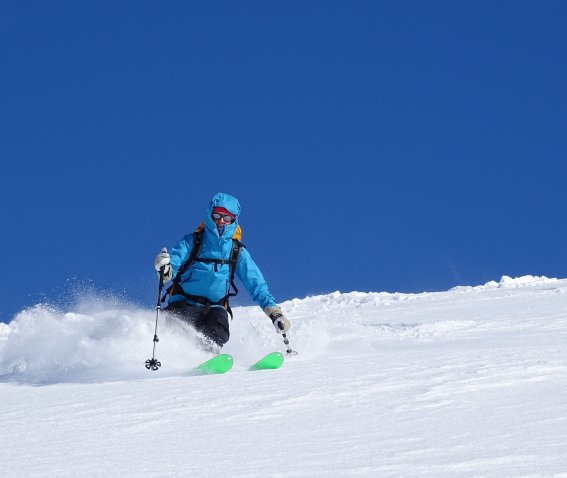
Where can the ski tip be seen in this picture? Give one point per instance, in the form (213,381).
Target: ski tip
(271,361)
(218,364)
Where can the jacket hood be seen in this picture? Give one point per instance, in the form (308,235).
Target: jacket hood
(230,203)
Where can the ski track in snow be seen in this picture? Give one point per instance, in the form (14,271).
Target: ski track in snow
(465,383)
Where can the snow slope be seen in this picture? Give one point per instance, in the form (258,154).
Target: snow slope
(465,383)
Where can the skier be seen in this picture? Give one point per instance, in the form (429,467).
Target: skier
(199,265)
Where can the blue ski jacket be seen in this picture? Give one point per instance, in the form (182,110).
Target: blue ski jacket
(213,280)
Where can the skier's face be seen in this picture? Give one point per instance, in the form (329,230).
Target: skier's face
(221,220)
(222,217)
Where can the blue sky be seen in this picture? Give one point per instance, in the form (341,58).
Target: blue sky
(374,146)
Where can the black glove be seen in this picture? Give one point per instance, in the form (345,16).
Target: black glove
(280,322)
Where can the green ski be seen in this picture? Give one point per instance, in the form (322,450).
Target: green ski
(270,361)
(218,364)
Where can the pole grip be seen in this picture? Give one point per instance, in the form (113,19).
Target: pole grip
(160,289)
(161,281)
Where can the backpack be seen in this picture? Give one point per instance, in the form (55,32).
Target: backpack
(176,289)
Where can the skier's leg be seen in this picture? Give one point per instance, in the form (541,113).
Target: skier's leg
(185,312)
(214,325)
(212,322)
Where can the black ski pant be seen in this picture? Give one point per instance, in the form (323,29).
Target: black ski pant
(212,322)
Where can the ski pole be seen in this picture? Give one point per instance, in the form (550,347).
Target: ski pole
(153,363)
(286,342)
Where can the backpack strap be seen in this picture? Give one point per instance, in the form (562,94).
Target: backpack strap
(233,261)
(236,247)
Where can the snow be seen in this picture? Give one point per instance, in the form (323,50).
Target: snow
(464,383)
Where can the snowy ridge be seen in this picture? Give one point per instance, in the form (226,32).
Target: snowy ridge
(509,282)
(438,384)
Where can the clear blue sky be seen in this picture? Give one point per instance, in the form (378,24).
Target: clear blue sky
(374,145)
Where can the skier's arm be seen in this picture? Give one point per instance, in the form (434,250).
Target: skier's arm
(249,273)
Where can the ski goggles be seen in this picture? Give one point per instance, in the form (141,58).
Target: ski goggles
(224,217)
